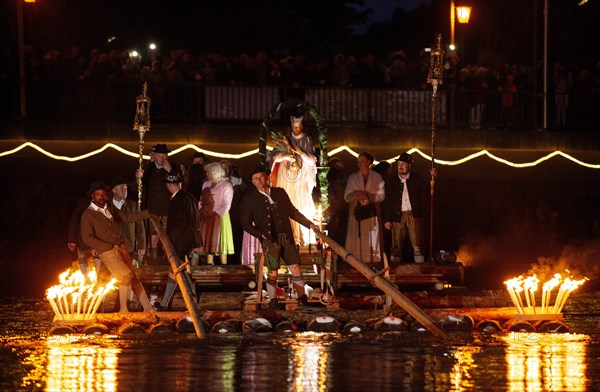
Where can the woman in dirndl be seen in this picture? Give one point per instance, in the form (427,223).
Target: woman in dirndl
(215,223)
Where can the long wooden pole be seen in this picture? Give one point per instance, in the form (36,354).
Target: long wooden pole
(434,78)
(184,283)
(386,286)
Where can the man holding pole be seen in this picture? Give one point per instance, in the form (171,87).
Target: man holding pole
(99,231)
(155,196)
(182,229)
(265,213)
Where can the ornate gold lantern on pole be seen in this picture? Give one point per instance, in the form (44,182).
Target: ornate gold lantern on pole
(141,124)
(434,78)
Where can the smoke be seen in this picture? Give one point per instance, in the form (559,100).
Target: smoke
(579,259)
(526,243)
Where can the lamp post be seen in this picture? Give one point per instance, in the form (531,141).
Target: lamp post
(21,51)
(462,13)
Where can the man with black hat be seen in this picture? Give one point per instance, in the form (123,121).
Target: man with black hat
(134,233)
(199,158)
(183,220)
(155,197)
(404,208)
(100,233)
(265,213)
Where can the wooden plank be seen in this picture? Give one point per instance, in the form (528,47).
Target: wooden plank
(182,278)
(259,283)
(386,286)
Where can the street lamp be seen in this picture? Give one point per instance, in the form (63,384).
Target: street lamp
(462,13)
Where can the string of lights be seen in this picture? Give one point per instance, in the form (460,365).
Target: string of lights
(333,152)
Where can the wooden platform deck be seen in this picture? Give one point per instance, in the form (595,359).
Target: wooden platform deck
(242,275)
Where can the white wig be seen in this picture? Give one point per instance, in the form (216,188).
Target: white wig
(216,172)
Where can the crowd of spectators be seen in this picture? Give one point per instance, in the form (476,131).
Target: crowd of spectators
(493,94)
(396,70)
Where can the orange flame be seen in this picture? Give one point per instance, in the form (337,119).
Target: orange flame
(527,287)
(77,297)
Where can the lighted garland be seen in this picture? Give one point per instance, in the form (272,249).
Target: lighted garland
(323,161)
(337,150)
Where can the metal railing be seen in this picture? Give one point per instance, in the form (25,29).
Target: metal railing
(113,101)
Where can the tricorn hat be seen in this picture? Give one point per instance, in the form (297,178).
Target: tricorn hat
(161,149)
(173,178)
(96,185)
(118,180)
(405,157)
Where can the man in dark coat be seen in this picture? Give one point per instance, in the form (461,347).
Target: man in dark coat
(155,197)
(404,208)
(265,213)
(183,219)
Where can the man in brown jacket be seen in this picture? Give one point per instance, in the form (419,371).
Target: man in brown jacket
(99,231)
(134,233)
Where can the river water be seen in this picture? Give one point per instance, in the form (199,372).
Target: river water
(412,361)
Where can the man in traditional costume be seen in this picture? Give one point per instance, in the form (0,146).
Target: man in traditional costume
(182,228)
(404,208)
(99,231)
(155,196)
(265,213)
(133,233)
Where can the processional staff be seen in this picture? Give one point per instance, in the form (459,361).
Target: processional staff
(434,78)
(141,124)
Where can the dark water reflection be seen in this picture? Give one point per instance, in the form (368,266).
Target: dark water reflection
(32,360)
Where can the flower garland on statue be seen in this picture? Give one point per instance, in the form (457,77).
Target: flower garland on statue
(323,159)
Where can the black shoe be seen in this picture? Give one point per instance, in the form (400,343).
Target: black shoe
(159,307)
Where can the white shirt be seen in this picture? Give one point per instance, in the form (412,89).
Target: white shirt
(118,203)
(268,196)
(105,211)
(405,199)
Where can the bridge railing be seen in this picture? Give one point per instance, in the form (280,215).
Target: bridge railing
(196,103)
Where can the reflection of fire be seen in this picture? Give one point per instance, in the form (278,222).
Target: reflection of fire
(520,287)
(76,298)
(544,362)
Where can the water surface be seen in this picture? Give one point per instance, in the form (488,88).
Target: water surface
(411,361)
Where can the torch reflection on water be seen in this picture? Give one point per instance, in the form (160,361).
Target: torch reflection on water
(77,298)
(539,362)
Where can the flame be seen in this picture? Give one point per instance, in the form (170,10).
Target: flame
(527,287)
(78,296)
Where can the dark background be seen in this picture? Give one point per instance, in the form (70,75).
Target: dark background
(508,31)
